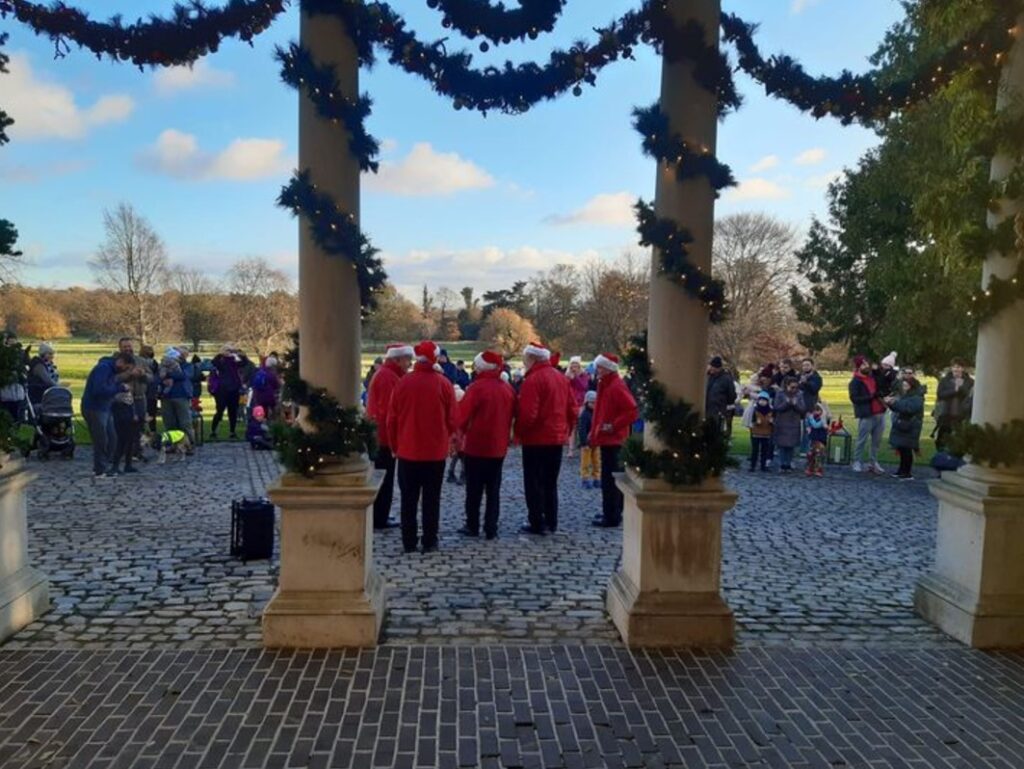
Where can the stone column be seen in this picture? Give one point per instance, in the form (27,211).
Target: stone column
(24,591)
(329,594)
(668,590)
(976,591)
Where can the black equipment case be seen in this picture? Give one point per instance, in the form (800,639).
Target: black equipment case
(252,529)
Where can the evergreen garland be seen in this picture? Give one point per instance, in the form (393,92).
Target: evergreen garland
(990,445)
(337,233)
(500,25)
(663,145)
(695,448)
(999,295)
(671,241)
(12,364)
(866,98)
(336,431)
(320,84)
(192,31)
(6,121)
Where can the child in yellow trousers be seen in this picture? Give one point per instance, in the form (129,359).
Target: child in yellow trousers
(590,456)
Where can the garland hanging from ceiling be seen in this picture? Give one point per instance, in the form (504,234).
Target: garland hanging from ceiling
(495,22)
(192,31)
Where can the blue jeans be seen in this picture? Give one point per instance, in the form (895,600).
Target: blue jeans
(104,439)
(786,457)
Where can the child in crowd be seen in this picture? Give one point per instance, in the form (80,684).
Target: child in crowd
(762,425)
(257,432)
(457,442)
(590,456)
(817,432)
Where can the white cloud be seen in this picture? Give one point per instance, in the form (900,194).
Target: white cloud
(799,6)
(200,75)
(424,172)
(811,157)
(613,209)
(823,181)
(766,163)
(178,154)
(757,188)
(43,109)
(28,174)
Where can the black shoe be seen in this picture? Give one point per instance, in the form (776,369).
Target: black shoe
(450,479)
(410,549)
(233,437)
(531,530)
(468,532)
(130,470)
(388,524)
(429,549)
(601,523)
(491,535)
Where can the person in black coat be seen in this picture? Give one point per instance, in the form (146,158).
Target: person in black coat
(810,387)
(720,393)
(954,401)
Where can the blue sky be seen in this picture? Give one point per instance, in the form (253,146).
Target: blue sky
(462,199)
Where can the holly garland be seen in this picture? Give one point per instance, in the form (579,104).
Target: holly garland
(500,25)
(193,29)
(335,431)
(690,162)
(336,232)
(990,445)
(671,242)
(866,98)
(695,447)
(320,84)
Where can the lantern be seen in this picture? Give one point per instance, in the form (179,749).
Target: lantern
(840,444)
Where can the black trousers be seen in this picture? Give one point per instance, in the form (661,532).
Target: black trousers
(127,428)
(416,479)
(906,461)
(760,447)
(483,475)
(541,465)
(226,401)
(612,501)
(382,504)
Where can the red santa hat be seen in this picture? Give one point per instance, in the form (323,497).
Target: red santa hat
(607,361)
(399,351)
(488,361)
(427,352)
(537,350)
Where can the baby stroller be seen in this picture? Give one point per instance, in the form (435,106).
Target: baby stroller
(53,419)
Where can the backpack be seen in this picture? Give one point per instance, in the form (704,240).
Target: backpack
(213,382)
(260,380)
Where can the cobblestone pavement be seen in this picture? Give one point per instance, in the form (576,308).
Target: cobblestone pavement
(142,562)
(511,707)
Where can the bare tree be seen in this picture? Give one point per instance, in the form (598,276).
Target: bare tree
(555,296)
(614,304)
(204,310)
(755,255)
(445,301)
(133,262)
(265,307)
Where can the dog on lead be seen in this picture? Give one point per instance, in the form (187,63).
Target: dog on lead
(173,442)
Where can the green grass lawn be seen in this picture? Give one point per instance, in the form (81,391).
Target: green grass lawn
(75,358)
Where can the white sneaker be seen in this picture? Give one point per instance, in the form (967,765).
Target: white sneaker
(858,467)
(878,468)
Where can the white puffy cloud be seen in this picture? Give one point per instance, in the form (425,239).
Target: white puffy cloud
(757,188)
(614,209)
(799,6)
(811,157)
(178,154)
(170,80)
(43,109)
(28,174)
(766,163)
(425,172)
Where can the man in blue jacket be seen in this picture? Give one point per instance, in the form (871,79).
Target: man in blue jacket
(176,375)
(100,388)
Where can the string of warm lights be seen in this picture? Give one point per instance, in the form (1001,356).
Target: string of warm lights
(192,31)
(321,86)
(689,161)
(499,25)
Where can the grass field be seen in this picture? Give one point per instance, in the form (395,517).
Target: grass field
(75,358)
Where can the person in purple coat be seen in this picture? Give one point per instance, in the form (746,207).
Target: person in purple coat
(225,383)
(266,385)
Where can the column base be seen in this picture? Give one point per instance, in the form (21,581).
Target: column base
(669,620)
(325,620)
(976,591)
(24,596)
(667,592)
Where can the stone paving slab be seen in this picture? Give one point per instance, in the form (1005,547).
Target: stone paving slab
(517,707)
(142,562)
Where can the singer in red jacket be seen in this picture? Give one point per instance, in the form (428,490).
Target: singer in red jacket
(421,422)
(397,361)
(485,419)
(545,418)
(614,414)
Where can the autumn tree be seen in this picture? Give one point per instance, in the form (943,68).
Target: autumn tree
(555,299)
(204,311)
(613,304)
(507,330)
(264,306)
(396,319)
(23,313)
(132,261)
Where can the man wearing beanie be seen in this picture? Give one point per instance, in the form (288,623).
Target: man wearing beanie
(545,419)
(869,408)
(421,422)
(720,397)
(397,361)
(614,413)
(485,419)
